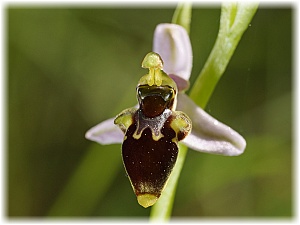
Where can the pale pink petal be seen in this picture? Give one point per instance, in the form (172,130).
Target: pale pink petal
(182,84)
(173,44)
(208,134)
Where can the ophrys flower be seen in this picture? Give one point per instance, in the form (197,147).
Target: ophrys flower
(164,116)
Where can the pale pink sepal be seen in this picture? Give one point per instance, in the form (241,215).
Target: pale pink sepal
(173,44)
(208,134)
(105,133)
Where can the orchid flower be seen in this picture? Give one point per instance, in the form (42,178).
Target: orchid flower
(170,66)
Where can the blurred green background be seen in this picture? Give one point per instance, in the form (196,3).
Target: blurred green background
(71,67)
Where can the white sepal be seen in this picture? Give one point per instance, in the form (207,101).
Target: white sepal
(173,44)
(105,133)
(208,134)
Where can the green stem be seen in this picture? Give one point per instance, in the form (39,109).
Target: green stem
(182,15)
(162,209)
(235,18)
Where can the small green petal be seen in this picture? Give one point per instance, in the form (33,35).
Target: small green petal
(125,119)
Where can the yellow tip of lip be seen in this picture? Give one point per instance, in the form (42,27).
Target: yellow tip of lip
(146,200)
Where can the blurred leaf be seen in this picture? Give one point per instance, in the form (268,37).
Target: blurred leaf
(89,182)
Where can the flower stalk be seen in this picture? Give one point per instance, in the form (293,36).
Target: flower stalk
(182,15)
(162,210)
(235,18)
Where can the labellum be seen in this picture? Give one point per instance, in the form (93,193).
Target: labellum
(152,132)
